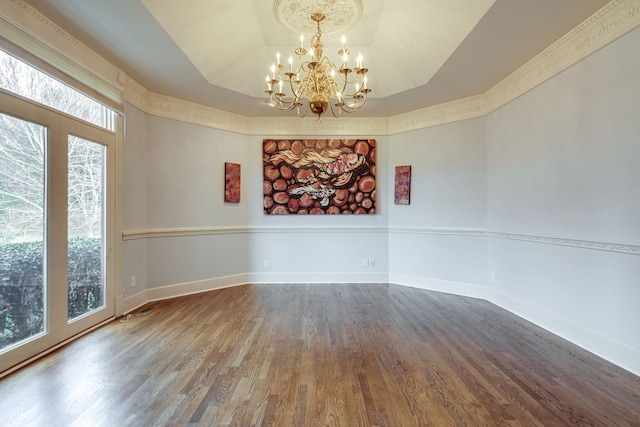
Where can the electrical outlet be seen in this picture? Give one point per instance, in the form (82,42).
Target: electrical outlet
(133,281)
(365,262)
(266,263)
(372,262)
(493,276)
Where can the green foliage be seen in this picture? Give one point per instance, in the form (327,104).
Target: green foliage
(22,285)
(84,275)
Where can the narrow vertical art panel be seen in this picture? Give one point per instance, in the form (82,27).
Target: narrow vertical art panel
(319,176)
(232,183)
(402,195)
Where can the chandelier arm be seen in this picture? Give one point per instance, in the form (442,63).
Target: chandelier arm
(293,89)
(360,101)
(306,109)
(337,108)
(283,106)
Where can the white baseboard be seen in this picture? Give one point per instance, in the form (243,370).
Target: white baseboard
(322,277)
(439,285)
(181,289)
(133,302)
(615,352)
(195,287)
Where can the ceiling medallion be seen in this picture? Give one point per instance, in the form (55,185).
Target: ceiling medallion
(340,15)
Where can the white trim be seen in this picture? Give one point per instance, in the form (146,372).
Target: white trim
(612,21)
(182,231)
(205,231)
(195,287)
(583,243)
(160,293)
(134,302)
(318,277)
(28,29)
(447,286)
(178,109)
(576,243)
(344,126)
(458,231)
(320,229)
(620,354)
(32,31)
(615,352)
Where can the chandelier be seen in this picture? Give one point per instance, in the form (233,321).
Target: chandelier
(317,80)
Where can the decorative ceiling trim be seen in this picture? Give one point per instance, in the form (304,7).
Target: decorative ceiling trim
(614,20)
(294,15)
(30,30)
(26,27)
(137,95)
(177,109)
(353,126)
(611,22)
(449,112)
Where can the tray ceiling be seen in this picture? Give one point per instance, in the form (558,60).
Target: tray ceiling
(419,52)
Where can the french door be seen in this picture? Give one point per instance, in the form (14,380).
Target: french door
(56,242)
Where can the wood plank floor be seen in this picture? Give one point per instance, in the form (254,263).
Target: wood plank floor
(316,355)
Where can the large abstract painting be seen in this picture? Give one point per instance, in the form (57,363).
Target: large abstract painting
(319,176)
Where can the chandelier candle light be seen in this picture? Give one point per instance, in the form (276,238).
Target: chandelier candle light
(323,84)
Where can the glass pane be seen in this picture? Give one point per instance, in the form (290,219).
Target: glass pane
(86,226)
(21,78)
(22,209)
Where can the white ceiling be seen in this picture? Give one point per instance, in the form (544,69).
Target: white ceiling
(217,52)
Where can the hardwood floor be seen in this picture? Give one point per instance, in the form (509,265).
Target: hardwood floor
(315,355)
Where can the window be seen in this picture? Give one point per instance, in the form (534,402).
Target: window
(24,80)
(57,197)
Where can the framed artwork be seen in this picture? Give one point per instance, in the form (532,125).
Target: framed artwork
(319,176)
(232,183)
(402,194)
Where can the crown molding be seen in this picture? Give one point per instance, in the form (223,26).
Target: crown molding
(449,112)
(177,109)
(30,30)
(24,26)
(612,21)
(137,95)
(349,126)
